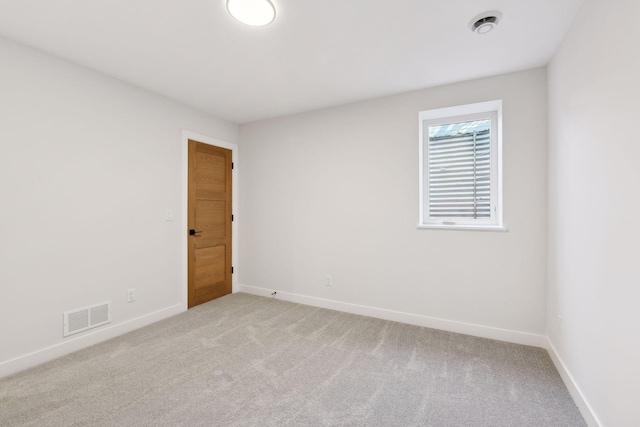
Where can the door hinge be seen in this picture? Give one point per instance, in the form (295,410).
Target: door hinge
(231,217)
(232,165)
(231,270)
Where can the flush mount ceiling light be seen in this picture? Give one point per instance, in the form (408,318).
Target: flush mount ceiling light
(256,13)
(485,22)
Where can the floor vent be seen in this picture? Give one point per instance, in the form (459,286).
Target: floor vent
(86,318)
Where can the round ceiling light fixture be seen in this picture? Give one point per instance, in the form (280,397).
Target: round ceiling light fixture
(256,13)
(485,22)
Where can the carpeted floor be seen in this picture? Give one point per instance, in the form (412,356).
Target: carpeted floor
(244,360)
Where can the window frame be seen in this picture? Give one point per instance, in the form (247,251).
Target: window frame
(458,114)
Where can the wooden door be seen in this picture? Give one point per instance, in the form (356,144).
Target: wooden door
(209,222)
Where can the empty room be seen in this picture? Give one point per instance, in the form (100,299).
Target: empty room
(319,213)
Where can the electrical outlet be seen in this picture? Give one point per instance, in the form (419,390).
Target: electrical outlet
(327,280)
(131,295)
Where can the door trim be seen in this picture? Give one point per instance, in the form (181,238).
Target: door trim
(184,214)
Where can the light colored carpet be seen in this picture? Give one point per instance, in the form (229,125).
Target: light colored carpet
(244,360)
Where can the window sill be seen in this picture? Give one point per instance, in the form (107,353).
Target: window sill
(462,227)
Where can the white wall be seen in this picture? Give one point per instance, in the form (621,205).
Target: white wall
(594,268)
(88,166)
(336,191)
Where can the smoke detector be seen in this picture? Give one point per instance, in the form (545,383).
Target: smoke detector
(485,22)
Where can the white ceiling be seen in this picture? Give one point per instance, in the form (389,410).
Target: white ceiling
(317,53)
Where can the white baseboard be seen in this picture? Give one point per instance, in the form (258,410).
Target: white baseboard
(90,338)
(69,346)
(578,397)
(412,319)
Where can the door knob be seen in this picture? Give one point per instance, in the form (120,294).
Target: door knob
(193,232)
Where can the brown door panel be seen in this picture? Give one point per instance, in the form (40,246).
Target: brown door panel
(209,213)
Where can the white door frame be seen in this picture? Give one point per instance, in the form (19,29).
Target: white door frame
(184,225)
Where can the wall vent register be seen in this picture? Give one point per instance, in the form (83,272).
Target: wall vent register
(82,319)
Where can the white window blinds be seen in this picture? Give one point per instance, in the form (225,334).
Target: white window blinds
(460,166)
(459,157)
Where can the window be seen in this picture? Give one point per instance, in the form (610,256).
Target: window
(460,167)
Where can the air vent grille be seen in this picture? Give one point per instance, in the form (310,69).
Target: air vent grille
(78,321)
(487,20)
(85,318)
(99,314)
